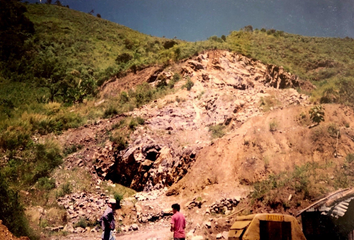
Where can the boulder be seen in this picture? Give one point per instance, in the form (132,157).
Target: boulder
(134,227)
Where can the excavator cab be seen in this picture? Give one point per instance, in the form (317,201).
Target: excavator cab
(266,226)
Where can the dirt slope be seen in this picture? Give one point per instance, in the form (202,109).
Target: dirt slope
(253,151)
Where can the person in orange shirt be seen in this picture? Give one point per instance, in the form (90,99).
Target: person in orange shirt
(178,223)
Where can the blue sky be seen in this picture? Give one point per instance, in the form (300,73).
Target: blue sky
(194,20)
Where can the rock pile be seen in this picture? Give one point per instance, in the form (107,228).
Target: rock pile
(153,216)
(196,202)
(83,206)
(224,205)
(146,196)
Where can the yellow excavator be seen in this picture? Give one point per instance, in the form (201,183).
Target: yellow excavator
(265,226)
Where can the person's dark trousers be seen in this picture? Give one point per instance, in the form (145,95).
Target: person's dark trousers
(106,235)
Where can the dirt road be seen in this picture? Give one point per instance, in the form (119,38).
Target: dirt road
(151,234)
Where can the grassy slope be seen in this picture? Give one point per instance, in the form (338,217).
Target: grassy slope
(321,60)
(84,38)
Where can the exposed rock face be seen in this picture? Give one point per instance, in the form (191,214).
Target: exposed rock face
(232,69)
(228,88)
(144,166)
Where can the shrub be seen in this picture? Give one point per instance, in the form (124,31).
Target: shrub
(317,134)
(47,157)
(350,158)
(65,189)
(140,120)
(215,39)
(329,95)
(176,77)
(110,111)
(133,124)
(333,130)
(317,114)
(123,58)
(143,94)
(169,44)
(14,137)
(273,126)
(301,179)
(124,98)
(162,83)
(118,197)
(71,149)
(268,102)
(189,84)
(81,223)
(119,124)
(271,31)
(56,123)
(248,28)
(120,141)
(298,181)
(217,131)
(46,183)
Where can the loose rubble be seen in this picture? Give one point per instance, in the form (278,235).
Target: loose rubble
(82,206)
(225,205)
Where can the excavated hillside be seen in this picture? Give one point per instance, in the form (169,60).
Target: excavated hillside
(264,129)
(228,90)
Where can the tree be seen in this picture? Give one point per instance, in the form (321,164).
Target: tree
(15,28)
(223,38)
(48,2)
(248,28)
(177,53)
(169,44)
(98,15)
(58,3)
(92,12)
(215,38)
(123,58)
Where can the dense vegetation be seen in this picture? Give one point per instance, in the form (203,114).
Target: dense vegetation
(53,59)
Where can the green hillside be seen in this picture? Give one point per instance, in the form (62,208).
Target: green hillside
(326,62)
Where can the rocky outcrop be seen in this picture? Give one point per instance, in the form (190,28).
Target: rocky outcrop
(145,165)
(233,69)
(228,90)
